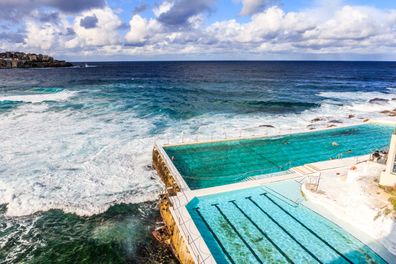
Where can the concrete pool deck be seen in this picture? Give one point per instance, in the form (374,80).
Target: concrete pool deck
(356,204)
(190,246)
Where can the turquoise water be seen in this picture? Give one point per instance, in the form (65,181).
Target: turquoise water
(260,226)
(7,105)
(220,163)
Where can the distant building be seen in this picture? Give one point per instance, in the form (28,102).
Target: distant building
(14,63)
(32,57)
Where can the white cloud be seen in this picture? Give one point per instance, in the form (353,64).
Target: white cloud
(104,33)
(141,29)
(325,28)
(40,36)
(319,30)
(163,8)
(45,35)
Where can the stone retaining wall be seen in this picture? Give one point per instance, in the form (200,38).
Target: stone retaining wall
(177,242)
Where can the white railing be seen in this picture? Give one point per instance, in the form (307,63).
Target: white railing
(200,255)
(178,205)
(235,133)
(191,138)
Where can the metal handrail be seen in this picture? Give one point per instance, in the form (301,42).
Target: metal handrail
(187,234)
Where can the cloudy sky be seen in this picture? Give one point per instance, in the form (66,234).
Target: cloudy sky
(201,29)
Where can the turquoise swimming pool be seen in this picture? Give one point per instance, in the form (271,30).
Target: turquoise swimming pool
(259,225)
(225,162)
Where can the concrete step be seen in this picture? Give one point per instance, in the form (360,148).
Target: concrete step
(312,167)
(303,170)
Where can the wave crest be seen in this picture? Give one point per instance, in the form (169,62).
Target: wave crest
(63,95)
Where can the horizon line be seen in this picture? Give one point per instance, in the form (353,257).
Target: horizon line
(225,60)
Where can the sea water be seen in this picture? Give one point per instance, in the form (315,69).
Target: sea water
(75,143)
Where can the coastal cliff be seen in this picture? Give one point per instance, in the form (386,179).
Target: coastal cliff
(10,60)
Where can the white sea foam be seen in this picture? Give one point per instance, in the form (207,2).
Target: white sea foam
(38,98)
(364,102)
(84,163)
(354,96)
(73,161)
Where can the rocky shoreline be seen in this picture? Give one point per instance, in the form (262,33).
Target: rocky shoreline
(10,60)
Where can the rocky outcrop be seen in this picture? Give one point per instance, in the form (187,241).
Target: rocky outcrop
(164,172)
(318,119)
(378,101)
(9,60)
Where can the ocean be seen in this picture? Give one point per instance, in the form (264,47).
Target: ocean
(76,182)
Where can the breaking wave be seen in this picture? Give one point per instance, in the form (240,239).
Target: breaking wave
(59,95)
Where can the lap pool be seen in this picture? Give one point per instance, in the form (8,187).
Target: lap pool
(258,225)
(225,162)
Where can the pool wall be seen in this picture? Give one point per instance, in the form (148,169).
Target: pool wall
(167,171)
(174,214)
(177,242)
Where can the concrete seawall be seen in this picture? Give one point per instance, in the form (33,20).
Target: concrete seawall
(164,172)
(177,241)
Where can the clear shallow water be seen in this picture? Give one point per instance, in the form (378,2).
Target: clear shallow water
(225,162)
(79,140)
(260,226)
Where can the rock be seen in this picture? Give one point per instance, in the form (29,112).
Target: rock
(318,119)
(335,122)
(385,112)
(389,113)
(148,167)
(366,120)
(378,101)
(270,126)
(351,116)
(329,126)
(311,127)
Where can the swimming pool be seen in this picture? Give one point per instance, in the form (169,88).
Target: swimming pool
(219,163)
(259,225)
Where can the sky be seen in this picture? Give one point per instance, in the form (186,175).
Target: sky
(109,30)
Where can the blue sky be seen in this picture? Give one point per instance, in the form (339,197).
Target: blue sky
(201,29)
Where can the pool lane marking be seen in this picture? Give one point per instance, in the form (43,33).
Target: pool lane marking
(263,233)
(284,230)
(215,236)
(238,234)
(306,227)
